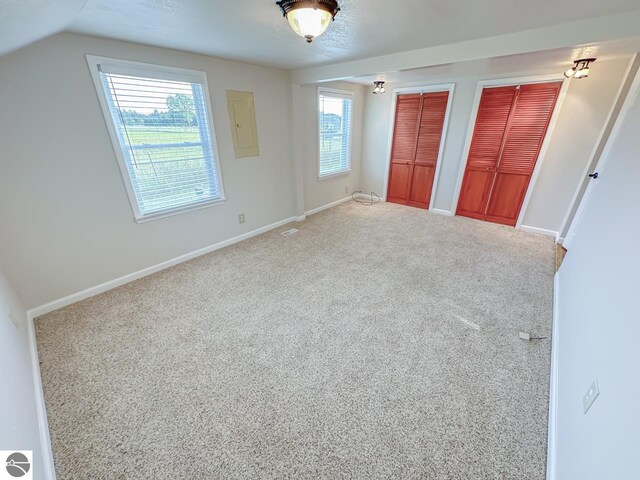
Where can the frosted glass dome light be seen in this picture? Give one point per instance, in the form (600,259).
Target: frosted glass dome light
(309,18)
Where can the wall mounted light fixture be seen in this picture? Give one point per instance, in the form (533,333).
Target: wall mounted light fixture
(309,18)
(379,87)
(580,69)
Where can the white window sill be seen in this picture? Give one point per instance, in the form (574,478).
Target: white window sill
(331,175)
(179,210)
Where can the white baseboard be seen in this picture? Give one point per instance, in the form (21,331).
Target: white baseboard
(111,284)
(328,205)
(47,452)
(542,231)
(43,425)
(553,385)
(439,211)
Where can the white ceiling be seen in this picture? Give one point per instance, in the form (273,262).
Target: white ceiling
(547,61)
(254,30)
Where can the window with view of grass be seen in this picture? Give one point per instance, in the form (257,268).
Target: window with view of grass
(160,123)
(334,123)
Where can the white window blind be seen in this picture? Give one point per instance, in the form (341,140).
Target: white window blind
(334,122)
(162,126)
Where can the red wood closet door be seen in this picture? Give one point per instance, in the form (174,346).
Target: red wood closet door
(484,153)
(434,109)
(525,134)
(403,150)
(511,126)
(416,146)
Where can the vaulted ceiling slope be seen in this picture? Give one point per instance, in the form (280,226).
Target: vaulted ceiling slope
(26,21)
(254,30)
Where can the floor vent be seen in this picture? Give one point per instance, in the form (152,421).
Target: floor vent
(291,231)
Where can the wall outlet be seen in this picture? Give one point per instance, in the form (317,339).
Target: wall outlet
(241,218)
(14,320)
(590,396)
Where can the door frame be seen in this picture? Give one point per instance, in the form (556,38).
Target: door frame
(505,82)
(439,87)
(612,117)
(605,156)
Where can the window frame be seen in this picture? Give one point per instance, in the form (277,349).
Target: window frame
(127,67)
(336,93)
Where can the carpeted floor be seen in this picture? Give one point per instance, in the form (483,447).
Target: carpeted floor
(378,342)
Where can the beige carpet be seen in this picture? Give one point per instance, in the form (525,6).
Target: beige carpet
(378,342)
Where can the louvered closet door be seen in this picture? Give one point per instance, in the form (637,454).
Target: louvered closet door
(525,134)
(404,147)
(484,153)
(433,111)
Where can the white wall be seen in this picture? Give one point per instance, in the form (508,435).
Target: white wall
(583,183)
(598,323)
(66,223)
(319,192)
(582,117)
(19,428)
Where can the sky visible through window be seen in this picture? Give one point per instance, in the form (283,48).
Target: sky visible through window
(155,94)
(331,107)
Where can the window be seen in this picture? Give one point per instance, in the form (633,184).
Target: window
(161,127)
(334,124)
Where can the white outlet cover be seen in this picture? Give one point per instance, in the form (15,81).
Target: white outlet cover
(590,396)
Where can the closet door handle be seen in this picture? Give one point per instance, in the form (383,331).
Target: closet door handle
(593,175)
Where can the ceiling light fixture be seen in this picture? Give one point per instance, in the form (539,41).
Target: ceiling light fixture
(309,18)
(580,69)
(379,87)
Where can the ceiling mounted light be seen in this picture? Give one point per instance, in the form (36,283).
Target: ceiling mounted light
(379,87)
(309,18)
(580,69)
